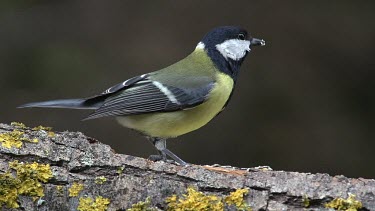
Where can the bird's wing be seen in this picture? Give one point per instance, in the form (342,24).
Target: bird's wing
(144,95)
(100,98)
(125,84)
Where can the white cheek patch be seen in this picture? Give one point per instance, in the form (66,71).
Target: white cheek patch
(234,49)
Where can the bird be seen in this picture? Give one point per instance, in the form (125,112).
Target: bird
(175,100)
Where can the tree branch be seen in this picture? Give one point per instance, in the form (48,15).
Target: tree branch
(102,177)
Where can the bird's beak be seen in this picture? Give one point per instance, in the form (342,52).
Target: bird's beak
(256,41)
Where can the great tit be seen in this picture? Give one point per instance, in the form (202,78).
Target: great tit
(177,99)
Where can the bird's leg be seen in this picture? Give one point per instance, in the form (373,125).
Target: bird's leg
(158,144)
(161,145)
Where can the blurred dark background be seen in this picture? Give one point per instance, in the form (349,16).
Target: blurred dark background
(305,102)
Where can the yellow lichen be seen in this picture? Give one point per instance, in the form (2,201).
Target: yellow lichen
(37,128)
(349,204)
(75,189)
(41,172)
(11,139)
(8,190)
(236,198)
(196,200)
(120,170)
(40,127)
(27,181)
(142,206)
(100,180)
(306,201)
(88,204)
(59,189)
(18,124)
(14,139)
(51,134)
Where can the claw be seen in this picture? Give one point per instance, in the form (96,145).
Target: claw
(155,158)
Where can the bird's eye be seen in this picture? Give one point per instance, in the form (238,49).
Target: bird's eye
(241,36)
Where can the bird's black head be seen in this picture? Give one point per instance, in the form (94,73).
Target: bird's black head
(227,46)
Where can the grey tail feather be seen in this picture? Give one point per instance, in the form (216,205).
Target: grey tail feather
(65,103)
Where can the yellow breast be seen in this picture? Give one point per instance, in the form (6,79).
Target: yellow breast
(173,124)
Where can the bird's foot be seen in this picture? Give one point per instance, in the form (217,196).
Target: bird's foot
(156,158)
(161,145)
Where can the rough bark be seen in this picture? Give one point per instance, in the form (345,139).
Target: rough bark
(74,157)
